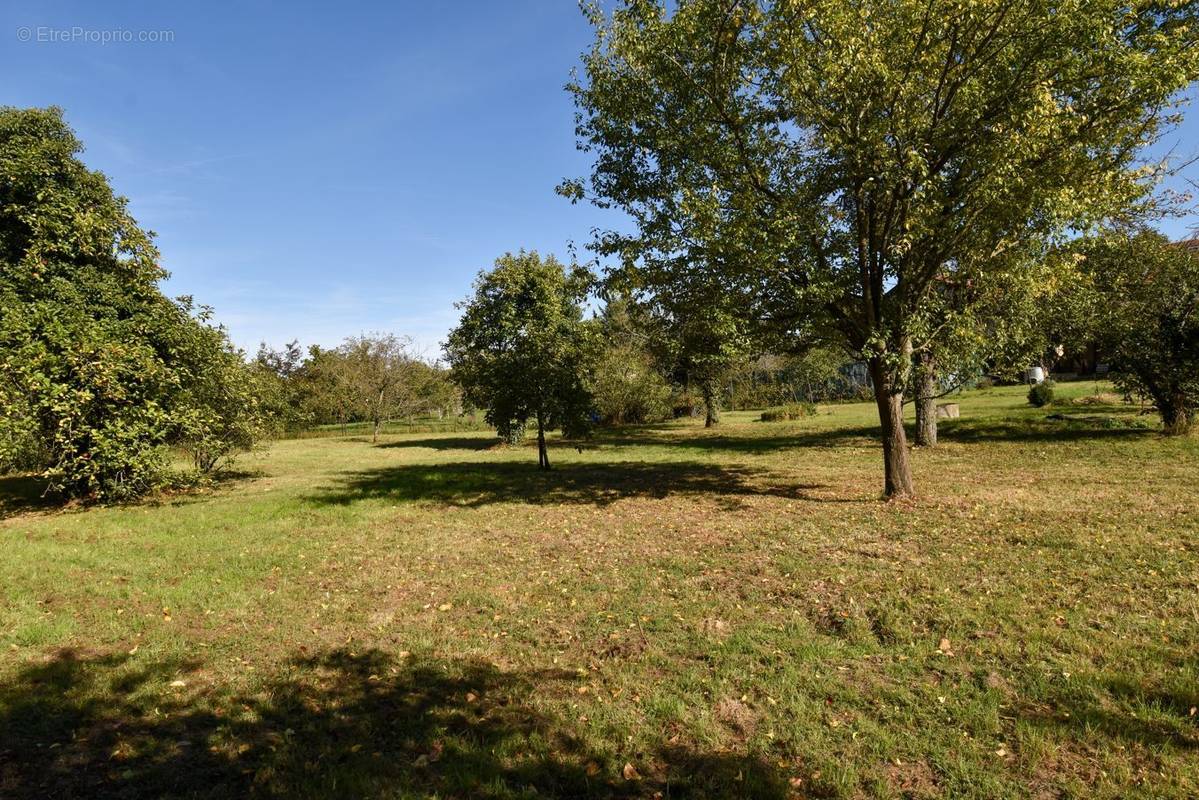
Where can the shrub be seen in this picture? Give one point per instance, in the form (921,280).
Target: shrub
(789,412)
(99,371)
(627,389)
(1041,394)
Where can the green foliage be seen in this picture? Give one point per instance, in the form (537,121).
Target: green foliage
(218,411)
(627,383)
(1138,295)
(1041,394)
(627,388)
(818,375)
(380,377)
(367,378)
(789,412)
(280,389)
(511,432)
(522,350)
(827,164)
(96,365)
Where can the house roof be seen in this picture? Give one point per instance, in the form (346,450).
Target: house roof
(1190,244)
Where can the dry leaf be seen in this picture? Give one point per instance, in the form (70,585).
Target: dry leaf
(630,772)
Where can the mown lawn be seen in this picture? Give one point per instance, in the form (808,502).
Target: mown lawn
(671,612)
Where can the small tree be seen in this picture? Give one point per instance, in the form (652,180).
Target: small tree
(1140,299)
(522,349)
(382,377)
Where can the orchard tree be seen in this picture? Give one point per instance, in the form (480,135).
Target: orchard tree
(1139,298)
(99,371)
(522,349)
(840,156)
(381,377)
(703,326)
(988,320)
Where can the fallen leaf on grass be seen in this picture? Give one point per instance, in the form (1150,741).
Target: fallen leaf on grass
(630,772)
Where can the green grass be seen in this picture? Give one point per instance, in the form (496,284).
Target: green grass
(731,613)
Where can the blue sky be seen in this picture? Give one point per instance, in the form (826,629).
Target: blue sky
(319,171)
(315,171)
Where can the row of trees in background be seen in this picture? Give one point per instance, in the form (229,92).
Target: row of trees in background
(370,378)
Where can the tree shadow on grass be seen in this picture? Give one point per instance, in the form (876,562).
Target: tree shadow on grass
(1126,710)
(478,442)
(20,494)
(476,484)
(1076,429)
(338,724)
(750,444)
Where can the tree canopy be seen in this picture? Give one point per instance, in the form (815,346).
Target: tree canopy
(99,371)
(836,159)
(1138,297)
(522,349)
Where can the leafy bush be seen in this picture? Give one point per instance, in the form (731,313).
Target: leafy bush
(627,389)
(97,367)
(789,412)
(511,431)
(1041,394)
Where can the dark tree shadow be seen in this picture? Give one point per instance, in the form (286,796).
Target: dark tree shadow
(751,444)
(475,484)
(1111,710)
(966,431)
(339,724)
(23,493)
(1066,429)
(447,443)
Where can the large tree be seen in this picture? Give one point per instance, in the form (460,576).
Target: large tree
(838,157)
(522,348)
(99,371)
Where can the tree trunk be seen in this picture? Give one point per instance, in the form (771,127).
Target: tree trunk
(1176,417)
(888,394)
(543,456)
(375,429)
(926,402)
(711,405)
